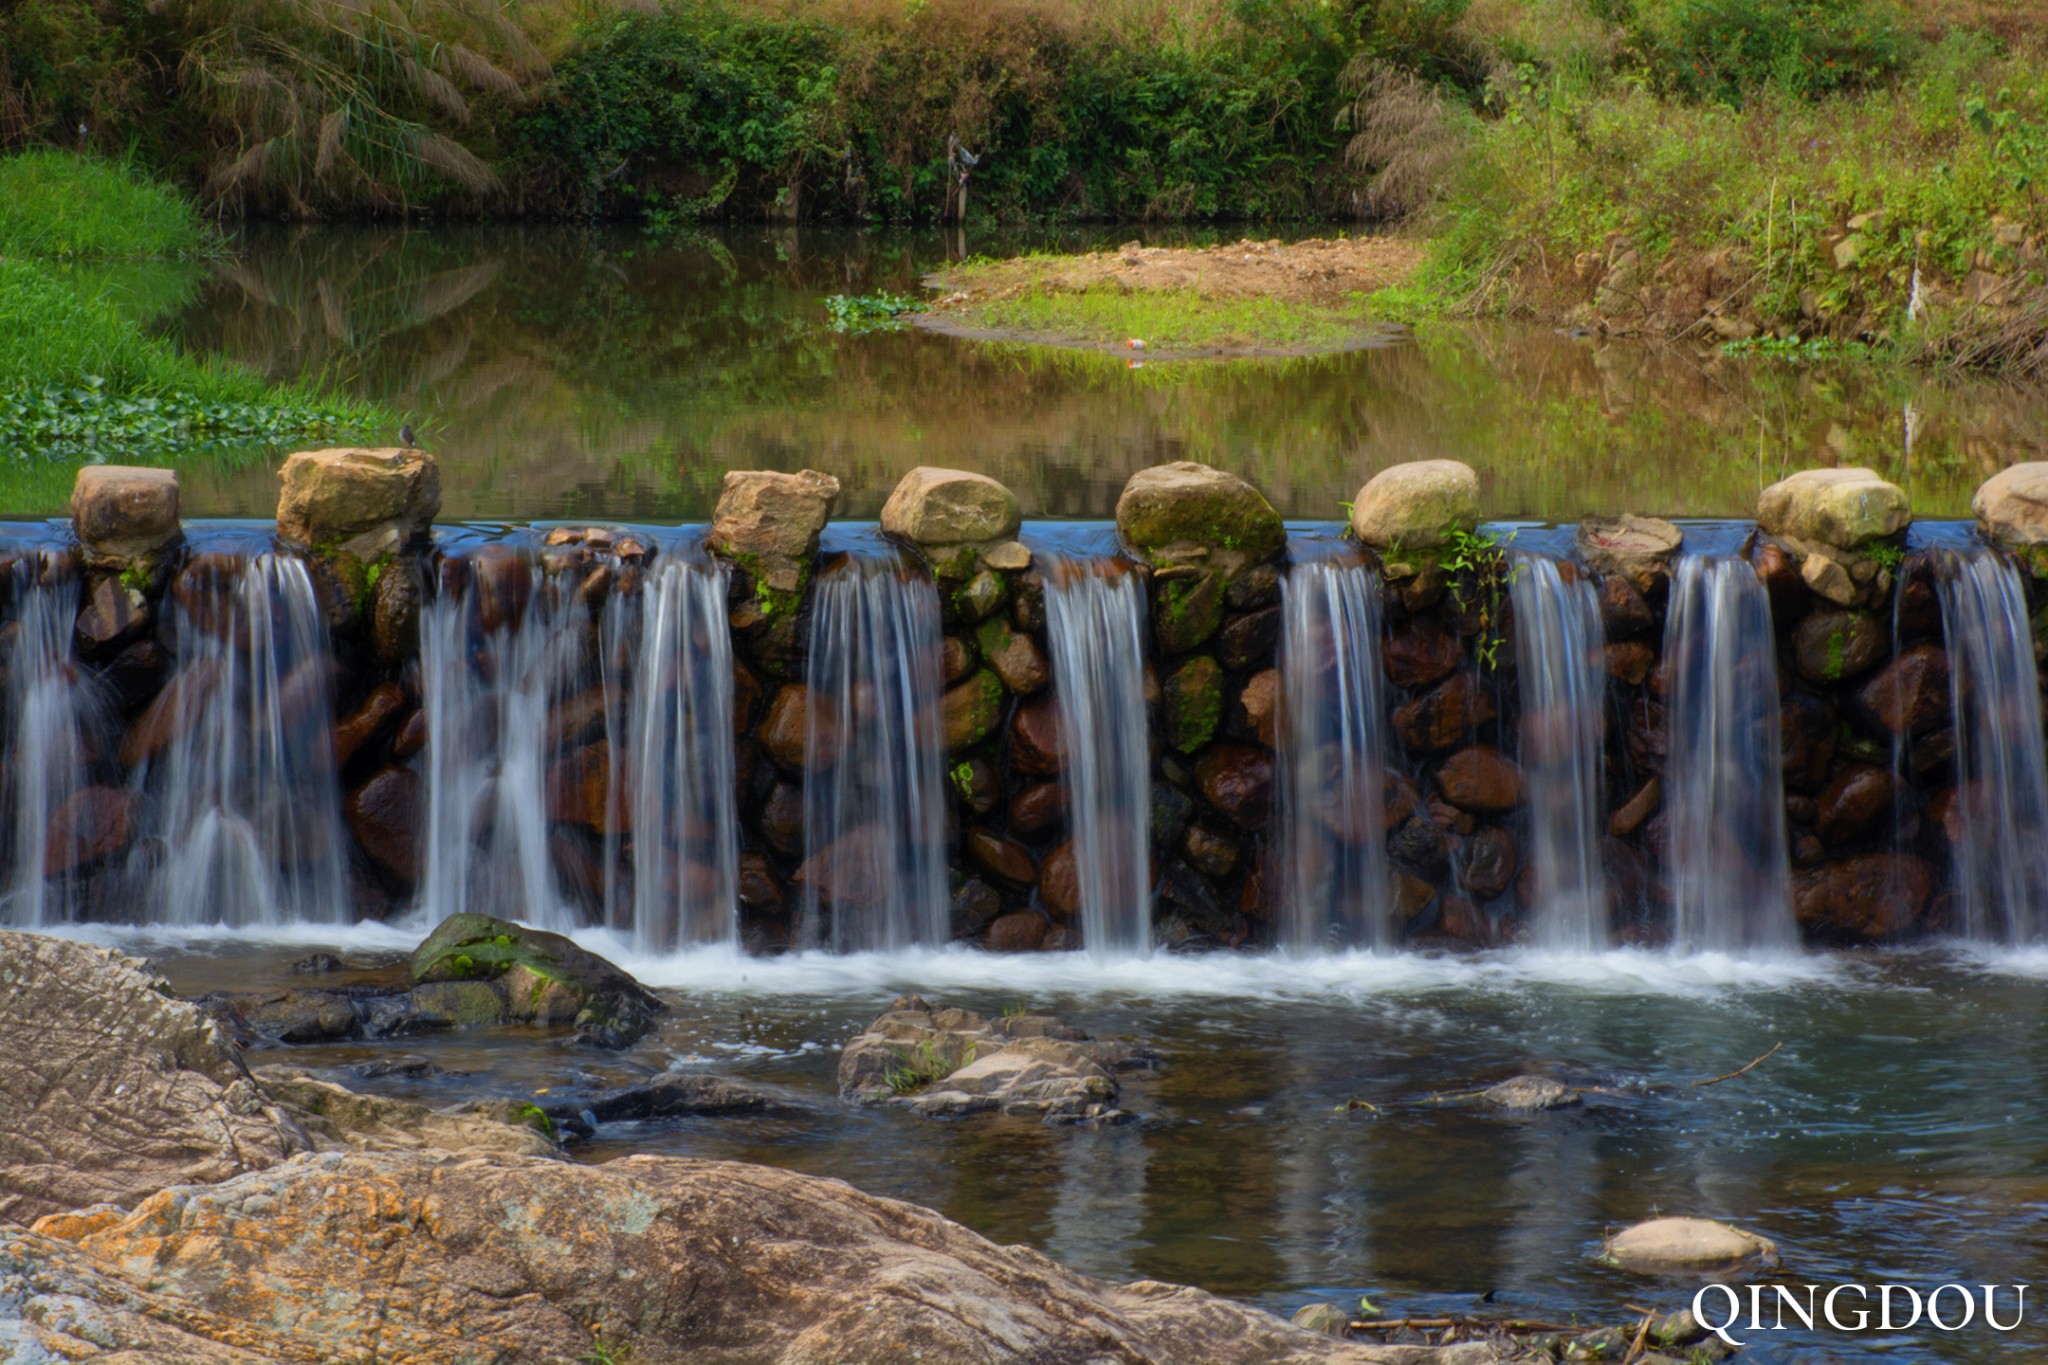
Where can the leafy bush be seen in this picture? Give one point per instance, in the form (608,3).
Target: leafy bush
(1725,50)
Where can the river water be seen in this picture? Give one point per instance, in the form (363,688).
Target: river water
(1895,1137)
(559,372)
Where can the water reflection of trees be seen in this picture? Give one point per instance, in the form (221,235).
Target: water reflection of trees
(566,372)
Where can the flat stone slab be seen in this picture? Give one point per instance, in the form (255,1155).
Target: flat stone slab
(1687,1244)
(950,507)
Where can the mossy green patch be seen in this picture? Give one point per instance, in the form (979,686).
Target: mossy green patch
(1193,699)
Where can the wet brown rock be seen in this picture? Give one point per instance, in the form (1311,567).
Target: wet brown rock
(848,873)
(1038,808)
(1004,859)
(1036,747)
(92,825)
(1868,897)
(1027,602)
(784,731)
(956,659)
(1487,862)
(1629,661)
(1648,736)
(1910,695)
(113,614)
(1629,816)
(971,711)
(1210,851)
(1420,842)
(1446,716)
(1461,919)
(124,513)
(412,736)
(387,815)
(136,674)
(1808,732)
(769,523)
(1480,780)
(1020,931)
(1059,881)
(1421,652)
(1014,656)
(1623,610)
(1781,579)
(1638,549)
(395,614)
(113,1088)
(782,819)
(1237,780)
(949,506)
(501,586)
(579,788)
(760,890)
(1249,640)
(1854,806)
(978,784)
(1835,646)
(1192,700)
(1255,589)
(385,701)
(1261,702)
(1412,896)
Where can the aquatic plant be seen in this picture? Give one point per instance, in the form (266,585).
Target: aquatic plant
(859,313)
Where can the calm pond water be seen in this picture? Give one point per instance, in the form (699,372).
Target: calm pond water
(1896,1137)
(566,373)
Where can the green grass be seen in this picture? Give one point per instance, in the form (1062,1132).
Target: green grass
(60,206)
(1168,320)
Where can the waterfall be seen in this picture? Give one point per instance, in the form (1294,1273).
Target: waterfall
(1332,760)
(246,795)
(498,647)
(1095,623)
(678,783)
(874,761)
(1563,678)
(1724,795)
(2001,779)
(49,712)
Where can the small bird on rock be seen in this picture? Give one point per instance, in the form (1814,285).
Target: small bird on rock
(405,437)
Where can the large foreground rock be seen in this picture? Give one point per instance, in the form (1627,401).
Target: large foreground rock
(2012,505)
(1172,508)
(1415,506)
(1839,508)
(367,503)
(111,1089)
(125,513)
(434,1260)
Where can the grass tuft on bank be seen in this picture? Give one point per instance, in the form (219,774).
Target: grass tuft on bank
(80,376)
(1172,320)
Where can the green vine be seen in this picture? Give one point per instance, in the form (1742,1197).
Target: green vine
(1480,575)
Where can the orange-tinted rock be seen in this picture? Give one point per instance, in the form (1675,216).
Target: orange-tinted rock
(746,695)
(1480,780)
(1629,816)
(1487,862)
(385,701)
(782,819)
(1910,696)
(1020,931)
(1630,661)
(1421,652)
(1868,897)
(183,697)
(501,583)
(1059,882)
(1623,612)
(1856,805)
(412,736)
(956,659)
(1038,808)
(1001,858)
(579,788)
(784,730)
(760,891)
(1261,702)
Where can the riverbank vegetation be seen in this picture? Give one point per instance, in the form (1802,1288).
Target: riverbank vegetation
(80,372)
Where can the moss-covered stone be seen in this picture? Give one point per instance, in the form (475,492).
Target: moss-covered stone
(1187,608)
(1193,697)
(1014,656)
(1188,504)
(979,597)
(544,978)
(970,712)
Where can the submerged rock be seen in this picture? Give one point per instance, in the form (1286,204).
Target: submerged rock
(112,1089)
(543,978)
(949,1062)
(1687,1244)
(1529,1093)
(521,1260)
(338,1119)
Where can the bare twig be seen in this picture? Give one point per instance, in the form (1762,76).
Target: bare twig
(1733,1074)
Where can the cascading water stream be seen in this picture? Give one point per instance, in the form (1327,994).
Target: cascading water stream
(248,815)
(677,785)
(1724,794)
(49,710)
(874,875)
(1558,638)
(2001,795)
(1095,623)
(1334,888)
(498,649)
